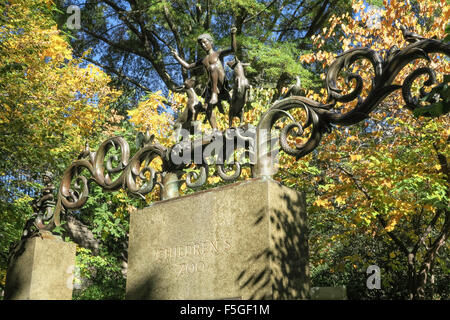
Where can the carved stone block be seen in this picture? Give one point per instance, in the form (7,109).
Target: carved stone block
(43,271)
(247,240)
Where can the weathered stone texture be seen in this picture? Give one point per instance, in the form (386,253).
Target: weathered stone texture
(42,272)
(246,240)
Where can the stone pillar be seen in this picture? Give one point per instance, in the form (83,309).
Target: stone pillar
(244,241)
(42,270)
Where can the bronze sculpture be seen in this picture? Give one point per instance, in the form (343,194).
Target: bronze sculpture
(241,91)
(74,191)
(294,90)
(217,88)
(42,207)
(193,107)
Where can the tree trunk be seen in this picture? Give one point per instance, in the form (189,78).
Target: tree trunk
(422,281)
(80,234)
(411,276)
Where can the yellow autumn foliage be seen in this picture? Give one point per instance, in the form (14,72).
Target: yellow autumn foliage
(50,102)
(152,114)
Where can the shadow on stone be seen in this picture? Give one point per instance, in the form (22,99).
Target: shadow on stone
(245,240)
(42,271)
(288,274)
(144,289)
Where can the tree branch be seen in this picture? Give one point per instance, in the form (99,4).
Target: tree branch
(321,14)
(114,44)
(290,21)
(153,49)
(189,10)
(260,12)
(173,29)
(427,231)
(123,16)
(118,73)
(177,38)
(207,23)
(383,223)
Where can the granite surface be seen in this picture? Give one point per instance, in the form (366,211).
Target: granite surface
(42,272)
(246,240)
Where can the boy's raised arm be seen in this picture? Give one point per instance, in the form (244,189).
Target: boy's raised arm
(233,43)
(183,63)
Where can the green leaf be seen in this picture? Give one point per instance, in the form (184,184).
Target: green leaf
(433,110)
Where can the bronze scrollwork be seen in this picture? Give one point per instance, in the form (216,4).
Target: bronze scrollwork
(136,174)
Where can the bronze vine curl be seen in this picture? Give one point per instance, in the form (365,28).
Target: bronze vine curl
(130,170)
(322,116)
